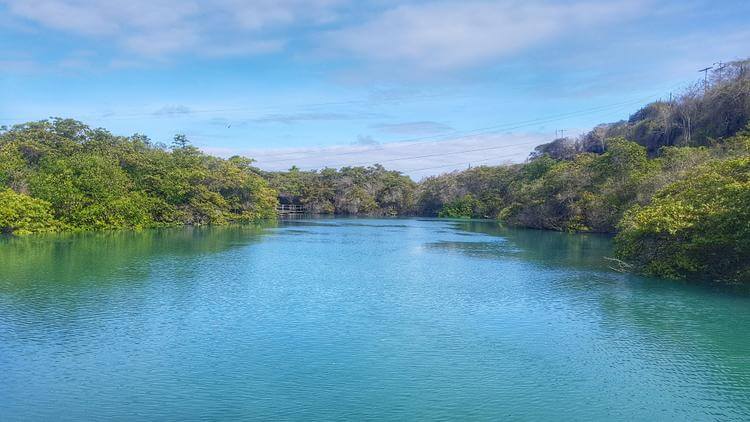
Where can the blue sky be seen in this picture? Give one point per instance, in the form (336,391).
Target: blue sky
(422,86)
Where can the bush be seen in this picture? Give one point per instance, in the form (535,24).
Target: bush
(699,225)
(91,179)
(22,214)
(461,208)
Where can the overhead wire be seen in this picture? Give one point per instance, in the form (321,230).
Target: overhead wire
(463,151)
(475,132)
(465,134)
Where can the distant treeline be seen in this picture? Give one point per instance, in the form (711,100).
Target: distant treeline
(673,182)
(348,191)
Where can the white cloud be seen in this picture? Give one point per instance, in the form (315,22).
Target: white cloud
(365,140)
(159,43)
(311,117)
(434,35)
(173,110)
(19,65)
(269,13)
(412,128)
(450,35)
(416,159)
(159,28)
(246,48)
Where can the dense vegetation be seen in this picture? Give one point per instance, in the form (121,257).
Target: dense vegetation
(351,190)
(683,213)
(697,226)
(673,181)
(62,175)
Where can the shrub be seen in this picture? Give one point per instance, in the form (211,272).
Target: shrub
(22,214)
(699,225)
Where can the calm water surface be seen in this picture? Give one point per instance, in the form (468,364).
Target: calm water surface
(359,319)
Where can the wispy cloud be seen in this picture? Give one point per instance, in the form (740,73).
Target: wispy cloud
(444,36)
(173,110)
(433,34)
(412,128)
(365,140)
(161,28)
(312,116)
(20,65)
(417,159)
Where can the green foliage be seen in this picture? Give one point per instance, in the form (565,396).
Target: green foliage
(92,179)
(351,190)
(180,141)
(85,190)
(699,225)
(586,193)
(12,165)
(22,214)
(675,221)
(461,208)
(489,186)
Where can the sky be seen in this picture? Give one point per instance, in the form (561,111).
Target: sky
(422,86)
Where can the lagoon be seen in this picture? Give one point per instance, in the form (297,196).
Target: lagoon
(351,319)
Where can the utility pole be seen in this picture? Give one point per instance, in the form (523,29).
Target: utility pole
(562,133)
(705,77)
(721,66)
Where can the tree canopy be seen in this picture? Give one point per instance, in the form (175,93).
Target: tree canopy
(351,190)
(90,179)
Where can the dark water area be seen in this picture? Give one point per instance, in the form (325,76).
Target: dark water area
(341,319)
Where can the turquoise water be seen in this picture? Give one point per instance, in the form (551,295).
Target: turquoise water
(352,319)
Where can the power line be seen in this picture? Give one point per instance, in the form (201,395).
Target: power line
(467,134)
(462,163)
(442,154)
(622,104)
(479,131)
(531,142)
(721,67)
(457,164)
(177,113)
(451,136)
(705,76)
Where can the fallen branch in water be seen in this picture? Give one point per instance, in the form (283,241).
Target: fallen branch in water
(621,266)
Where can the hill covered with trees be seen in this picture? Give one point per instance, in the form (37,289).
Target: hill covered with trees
(672,181)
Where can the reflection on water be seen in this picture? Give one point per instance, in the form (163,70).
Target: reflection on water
(552,248)
(72,258)
(491,250)
(359,319)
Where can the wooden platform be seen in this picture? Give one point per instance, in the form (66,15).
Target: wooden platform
(290,209)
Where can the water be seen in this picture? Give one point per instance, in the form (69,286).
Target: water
(359,319)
